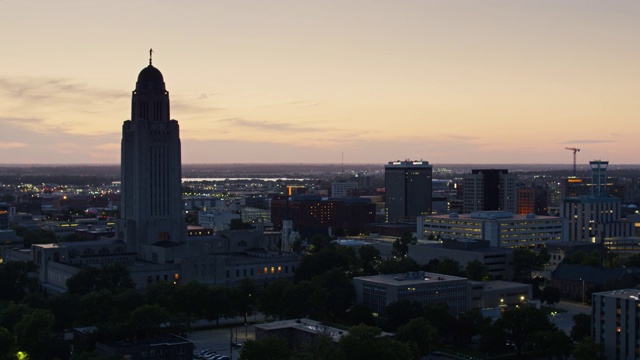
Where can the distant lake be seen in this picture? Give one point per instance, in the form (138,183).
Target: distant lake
(238,179)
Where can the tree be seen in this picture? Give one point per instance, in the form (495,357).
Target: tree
(524,262)
(521,323)
(581,327)
(399,313)
(339,291)
(16,280)
(320,348)
(269,348)
(146,321)
(111,277)
(553,342)
(325,260)
(401,245)
(34,333)
(305,299)
(449,266)
(238,224)
(397,266)
(364,342)
(360,314)
(320,242)
(467,325)
(477,270)
(420,332)
(587,349)
(369,257)
(270,302)
(550,295)
(493,340)
(8,345)
(245,296)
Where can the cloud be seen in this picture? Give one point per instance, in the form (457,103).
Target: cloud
(589,141)
(12,145)
(270,126)
(108,146)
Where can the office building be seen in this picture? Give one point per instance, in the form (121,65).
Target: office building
(489,190)
(378,291)
(595,216)
(615,317)
(151,211)
(500,228)
(343,189)
(313,214)
(408,190)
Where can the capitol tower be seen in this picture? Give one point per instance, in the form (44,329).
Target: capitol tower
(151,223)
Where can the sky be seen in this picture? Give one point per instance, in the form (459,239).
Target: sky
(331,81)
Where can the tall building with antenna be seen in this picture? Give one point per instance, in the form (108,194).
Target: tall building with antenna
(151,209)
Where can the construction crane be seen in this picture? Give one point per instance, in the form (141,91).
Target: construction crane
(575,150)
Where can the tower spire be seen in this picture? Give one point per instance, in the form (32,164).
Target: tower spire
(150,55)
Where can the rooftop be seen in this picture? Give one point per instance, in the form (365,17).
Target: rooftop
(410,278)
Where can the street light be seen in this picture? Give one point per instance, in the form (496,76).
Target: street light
(582,290)
(553,315)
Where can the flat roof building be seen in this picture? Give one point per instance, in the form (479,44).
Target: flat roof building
(500,228)
(379,291)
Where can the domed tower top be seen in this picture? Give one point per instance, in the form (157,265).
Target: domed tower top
(150,78)
(150,100)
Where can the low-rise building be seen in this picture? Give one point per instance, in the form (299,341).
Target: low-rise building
(378,291)
(500,228)
(297,333)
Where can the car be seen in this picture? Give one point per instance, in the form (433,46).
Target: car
(236,344)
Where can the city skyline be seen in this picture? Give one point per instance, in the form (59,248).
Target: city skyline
(456,82)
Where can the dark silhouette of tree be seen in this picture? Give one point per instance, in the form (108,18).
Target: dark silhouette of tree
(327,259)
(320,242)
(305,299)
(399,313)
(270,348)
(320,348)
(477,270)
(467,325)
(449,266)
(339,290)
(8,345)
(398,265)
(524,262)
(419,331)
(112,277)
(587,349)
(581,327)
(244,298)
(369,257)
(270,302)
(238,224)
(16,279)
(364,342)
(360,314)
(147,320)
(34,333)
(401,245)
(521,323)
(553,343)
(550,295)
(493,340)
